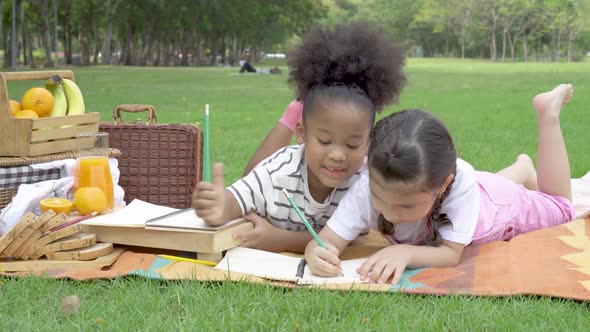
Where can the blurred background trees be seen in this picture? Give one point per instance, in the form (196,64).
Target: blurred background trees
(46,33)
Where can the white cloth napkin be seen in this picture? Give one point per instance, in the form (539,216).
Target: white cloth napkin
(29,195)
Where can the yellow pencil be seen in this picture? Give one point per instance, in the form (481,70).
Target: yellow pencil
(190,260)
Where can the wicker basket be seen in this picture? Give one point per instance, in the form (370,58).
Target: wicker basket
(160,163)
(6,194)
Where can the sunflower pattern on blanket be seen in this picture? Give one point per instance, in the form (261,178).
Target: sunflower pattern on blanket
(581,241)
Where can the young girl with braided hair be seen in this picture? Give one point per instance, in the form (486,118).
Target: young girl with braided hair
(430,204)
(343,76)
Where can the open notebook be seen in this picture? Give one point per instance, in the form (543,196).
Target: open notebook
(156,217)
(273,266)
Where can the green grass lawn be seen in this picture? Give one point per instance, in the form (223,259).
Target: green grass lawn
(488,110)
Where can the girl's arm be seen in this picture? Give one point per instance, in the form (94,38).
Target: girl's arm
(279,136)
(324,262)
(391,262)
(266,236)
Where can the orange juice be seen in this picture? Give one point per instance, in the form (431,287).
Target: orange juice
(95,172)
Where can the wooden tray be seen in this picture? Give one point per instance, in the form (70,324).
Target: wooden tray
(34,137)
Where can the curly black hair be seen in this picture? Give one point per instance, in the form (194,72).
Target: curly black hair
(356,55)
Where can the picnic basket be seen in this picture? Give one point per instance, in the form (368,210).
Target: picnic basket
(6,194)
(35,137)
(159,163)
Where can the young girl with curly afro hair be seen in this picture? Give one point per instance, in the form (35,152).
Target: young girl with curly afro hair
(343,76)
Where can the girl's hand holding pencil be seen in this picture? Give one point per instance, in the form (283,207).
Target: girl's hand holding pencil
(323,262)
(209,198)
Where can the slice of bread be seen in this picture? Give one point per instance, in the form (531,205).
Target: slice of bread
(28,244)
(85,254)
(15,231)
(76,241)
(24,235)
(52,236)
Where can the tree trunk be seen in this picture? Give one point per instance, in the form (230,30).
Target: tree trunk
(95,43)
(214,48)
(44,27)
(558,46)
(30,49)
(184,47)
(493,48)
(570,42)
(84,56)
(68,33)
(5,40)
(525,46)
(513,50)
(504,46)
(2,22)
(127,56)
(54,46)
(22,31)
(166,52)
(234,50)
(108,33)
(158,47)
(13,37)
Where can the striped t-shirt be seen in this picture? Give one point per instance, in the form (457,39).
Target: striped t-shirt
(260,191)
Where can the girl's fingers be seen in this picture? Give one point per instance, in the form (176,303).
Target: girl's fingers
(387,272)
(244,236)
(377,271)
(329,257)
(399,272)
(204,204)
(208,195)
(255,219)
(366,267)
(333,250)
(247,244)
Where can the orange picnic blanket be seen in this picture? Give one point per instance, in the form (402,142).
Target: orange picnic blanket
(553,262)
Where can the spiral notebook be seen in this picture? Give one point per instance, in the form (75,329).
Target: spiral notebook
(156,217)
(185,220)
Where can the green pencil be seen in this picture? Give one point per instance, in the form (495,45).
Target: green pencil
(206,154)
(307,224)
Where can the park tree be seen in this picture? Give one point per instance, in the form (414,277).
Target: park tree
(207,32)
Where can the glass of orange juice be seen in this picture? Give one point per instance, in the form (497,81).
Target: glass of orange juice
(93,164)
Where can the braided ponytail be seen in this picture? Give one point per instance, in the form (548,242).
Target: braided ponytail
(435,219)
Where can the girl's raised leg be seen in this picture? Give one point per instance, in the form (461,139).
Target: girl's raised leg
(553,168)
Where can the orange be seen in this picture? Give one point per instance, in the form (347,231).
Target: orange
(90,199)
(39,100)
(14,106)
(26,114)
(58,205)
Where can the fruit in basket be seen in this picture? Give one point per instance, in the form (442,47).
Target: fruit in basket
(53,85)
(74,97)
(39,100)
(14,106)
(58,205)
(26,114)
(90,199)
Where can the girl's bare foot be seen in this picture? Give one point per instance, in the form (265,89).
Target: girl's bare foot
(530,181)
(549,104)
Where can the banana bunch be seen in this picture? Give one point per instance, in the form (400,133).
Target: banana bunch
(67,95)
